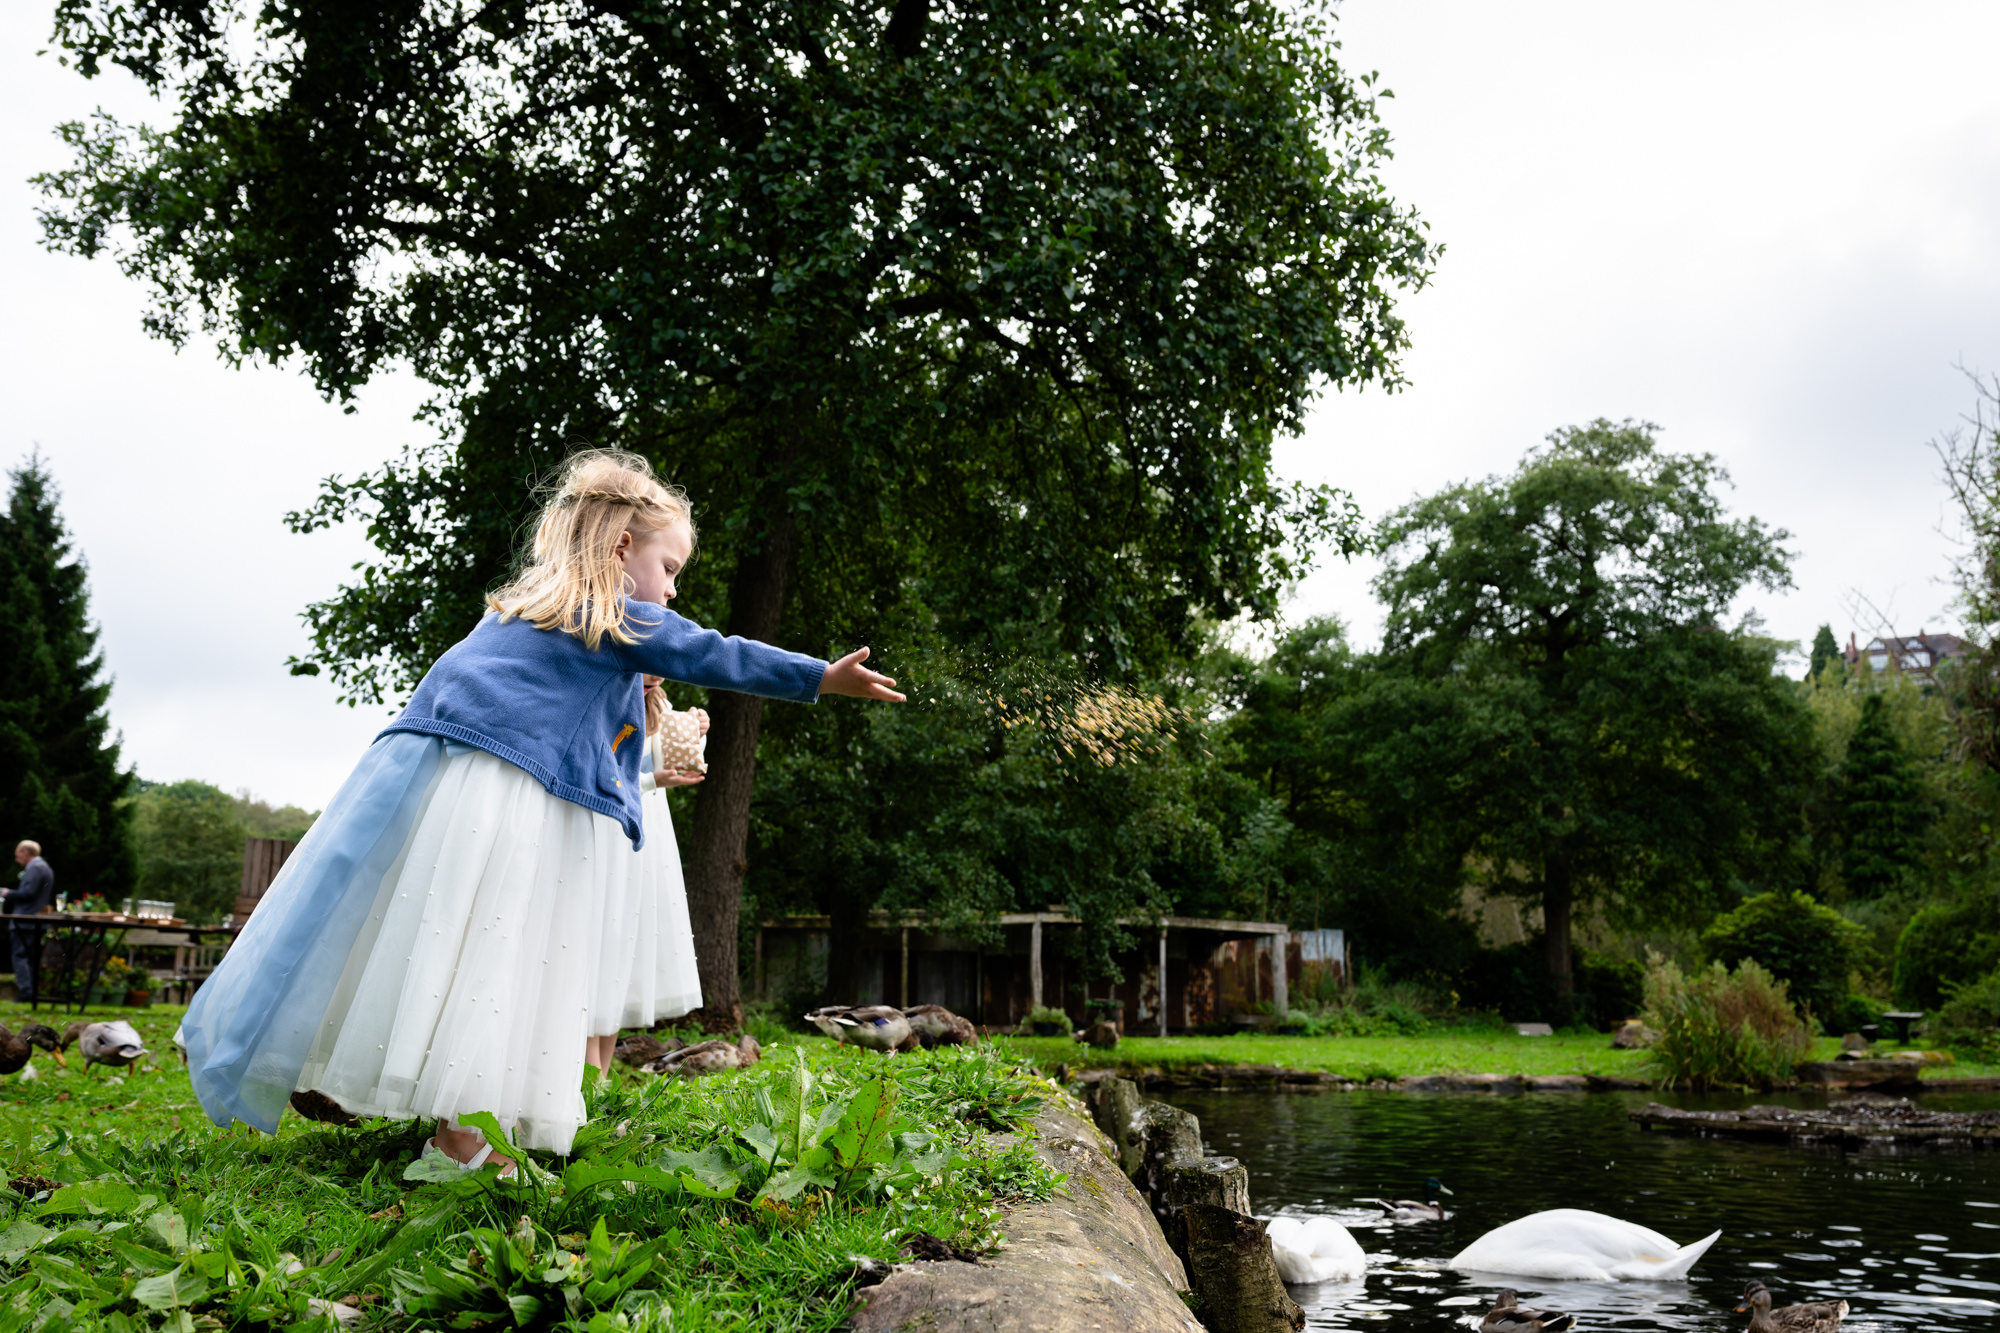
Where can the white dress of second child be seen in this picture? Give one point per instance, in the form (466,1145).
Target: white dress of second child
(647,969)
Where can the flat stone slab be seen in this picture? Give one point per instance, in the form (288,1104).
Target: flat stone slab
(1092,1258)
(1861,1073)
(1860,1123)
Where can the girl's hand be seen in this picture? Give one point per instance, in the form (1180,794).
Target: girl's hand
(847,676)
(701,720)
(683,777)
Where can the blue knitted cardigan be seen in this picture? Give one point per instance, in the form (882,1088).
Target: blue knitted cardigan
(575,719)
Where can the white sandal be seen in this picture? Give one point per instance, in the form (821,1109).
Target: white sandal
(507,1172)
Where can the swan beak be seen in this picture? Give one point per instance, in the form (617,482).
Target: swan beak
(57,1056)
(1742,1309)
(1443,1190)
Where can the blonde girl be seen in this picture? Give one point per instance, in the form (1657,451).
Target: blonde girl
(427,950)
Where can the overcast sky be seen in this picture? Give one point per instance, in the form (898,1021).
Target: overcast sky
(1772,230)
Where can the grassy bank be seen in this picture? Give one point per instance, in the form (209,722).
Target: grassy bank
(736,1201)
(1446,1051)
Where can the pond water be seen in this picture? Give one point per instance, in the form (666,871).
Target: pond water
(1910,1238)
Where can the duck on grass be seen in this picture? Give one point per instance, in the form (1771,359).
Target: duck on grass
(752,1198)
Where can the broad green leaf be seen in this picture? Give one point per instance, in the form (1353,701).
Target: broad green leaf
(496,1137)
(433,1169)
(169,1291)
(763,1140)
(96,1197)
(19,1238)
(171,1229)
(585,1175)
(860,1142)
(709,1173)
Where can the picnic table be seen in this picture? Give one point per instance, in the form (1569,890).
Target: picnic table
(75,945)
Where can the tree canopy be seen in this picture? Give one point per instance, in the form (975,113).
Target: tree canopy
(60,780)
(1628,748)
(992,313)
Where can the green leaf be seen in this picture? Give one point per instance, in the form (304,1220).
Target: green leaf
(19,1238)
(96,1197)
(709,1173)
(860,1141)
(496,1137)
(763,1140)
(171,1229)
(585,1175)
(169,1291)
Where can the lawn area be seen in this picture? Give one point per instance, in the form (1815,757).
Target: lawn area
(1445,1051)
(740,1200)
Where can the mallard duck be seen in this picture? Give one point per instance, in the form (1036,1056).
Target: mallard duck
(17,1048)
(1817,1317)
(642,1049)
(1314,1249)
(1508,1317)
(1410,1210)
(1574,1244)
(875,1026)
(116,1043)
(708,1057)
(936,1025)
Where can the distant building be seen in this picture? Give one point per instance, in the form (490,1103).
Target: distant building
(1917,656)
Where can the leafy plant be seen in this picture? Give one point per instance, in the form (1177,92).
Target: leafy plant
(1047,1015)
(523,1277)
(1970,1018)
(802,1136)
(1947,944)
(1719,1028)
(1805,944)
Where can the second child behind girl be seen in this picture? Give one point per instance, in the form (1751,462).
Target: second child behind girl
(426,950)
(647,970)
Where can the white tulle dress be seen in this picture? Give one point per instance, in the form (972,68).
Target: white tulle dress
(646,966)
(469,986)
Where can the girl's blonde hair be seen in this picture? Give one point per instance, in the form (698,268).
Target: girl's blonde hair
(657,708)
(572,580)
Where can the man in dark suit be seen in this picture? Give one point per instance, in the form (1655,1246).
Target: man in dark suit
(35,892)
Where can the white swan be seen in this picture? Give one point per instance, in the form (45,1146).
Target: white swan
(1314,1249)
(1570,1243)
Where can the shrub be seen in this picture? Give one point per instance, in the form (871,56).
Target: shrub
(1046,1015)
(1851,1014)
(1514,981)
(1947,945)
(1807,945)
(1719,1028)
(1970,1018)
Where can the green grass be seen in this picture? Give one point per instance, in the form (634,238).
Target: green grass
(1448,1051)
(158,1219)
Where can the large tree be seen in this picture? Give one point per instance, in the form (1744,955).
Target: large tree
(60,780)
(1004,290)
(1630,749)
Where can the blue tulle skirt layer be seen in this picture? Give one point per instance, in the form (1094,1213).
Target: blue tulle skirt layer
(430,949)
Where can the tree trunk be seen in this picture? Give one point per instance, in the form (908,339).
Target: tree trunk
(1558,896)
(715,859)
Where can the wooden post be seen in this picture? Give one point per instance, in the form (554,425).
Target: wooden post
(1035,964)
(1163,981)
(903,992)
(1281,985)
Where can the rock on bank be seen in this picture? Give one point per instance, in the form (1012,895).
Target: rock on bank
(1093,1257)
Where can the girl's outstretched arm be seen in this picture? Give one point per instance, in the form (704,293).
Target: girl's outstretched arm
(847,676)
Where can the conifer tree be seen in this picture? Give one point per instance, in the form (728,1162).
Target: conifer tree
(1882,808)
(60,780)
(1825,649)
